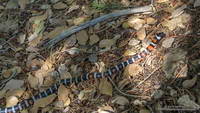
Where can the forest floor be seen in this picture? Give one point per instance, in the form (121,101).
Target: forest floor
(166,81)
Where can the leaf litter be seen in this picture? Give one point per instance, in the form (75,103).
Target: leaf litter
(96,49)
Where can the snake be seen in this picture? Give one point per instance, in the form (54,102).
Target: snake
(24,104)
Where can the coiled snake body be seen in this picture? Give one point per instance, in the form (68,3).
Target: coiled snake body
(53,89)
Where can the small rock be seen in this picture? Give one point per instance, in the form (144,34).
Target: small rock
(93,39)
(141,34)
(168,42)
(158,94)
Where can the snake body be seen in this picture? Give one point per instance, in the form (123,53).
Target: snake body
(53,89)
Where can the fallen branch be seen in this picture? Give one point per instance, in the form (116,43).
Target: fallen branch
(73,30)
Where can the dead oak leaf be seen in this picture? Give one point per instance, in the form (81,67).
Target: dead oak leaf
(105,87)
(63,95)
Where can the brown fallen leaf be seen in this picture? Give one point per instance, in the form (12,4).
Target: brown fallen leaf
(11,101)
(132,70)
(63,95)
(121,100)
(93,39)
(105,87)
(60,5)
(33,81)
(82,37)
(141,34)
(42,103)
(189,83)
(15,92)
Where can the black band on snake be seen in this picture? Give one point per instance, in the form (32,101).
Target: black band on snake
(53,89)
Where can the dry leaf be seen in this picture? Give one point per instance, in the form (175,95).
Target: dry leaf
(84,94)
(45,101)
(151,20)
(189,83)
(178,11)
(107,43)
(171,60)
(161,1)
(23,3)
(135,22)
(2,93)
(33,81)
(55,32)
(133,42)
(125,2)
(197,3)
(63,95)
(129,52)
(144,110)
(141,34)
(105,87)
(132,70)
(80,20)
(158,94)
(121,100)
(11,101)
(82,37)
(93,39)
(15,92)
(7,73)
(14,84)
(60,5)
(104,109)
(12,4)
(167,43)
(179,21)
(187,102)
(71,41)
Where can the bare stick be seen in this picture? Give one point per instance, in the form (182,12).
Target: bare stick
(73,30)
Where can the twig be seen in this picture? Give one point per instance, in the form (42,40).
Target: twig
(75,29)
(125,94)
(148,76)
